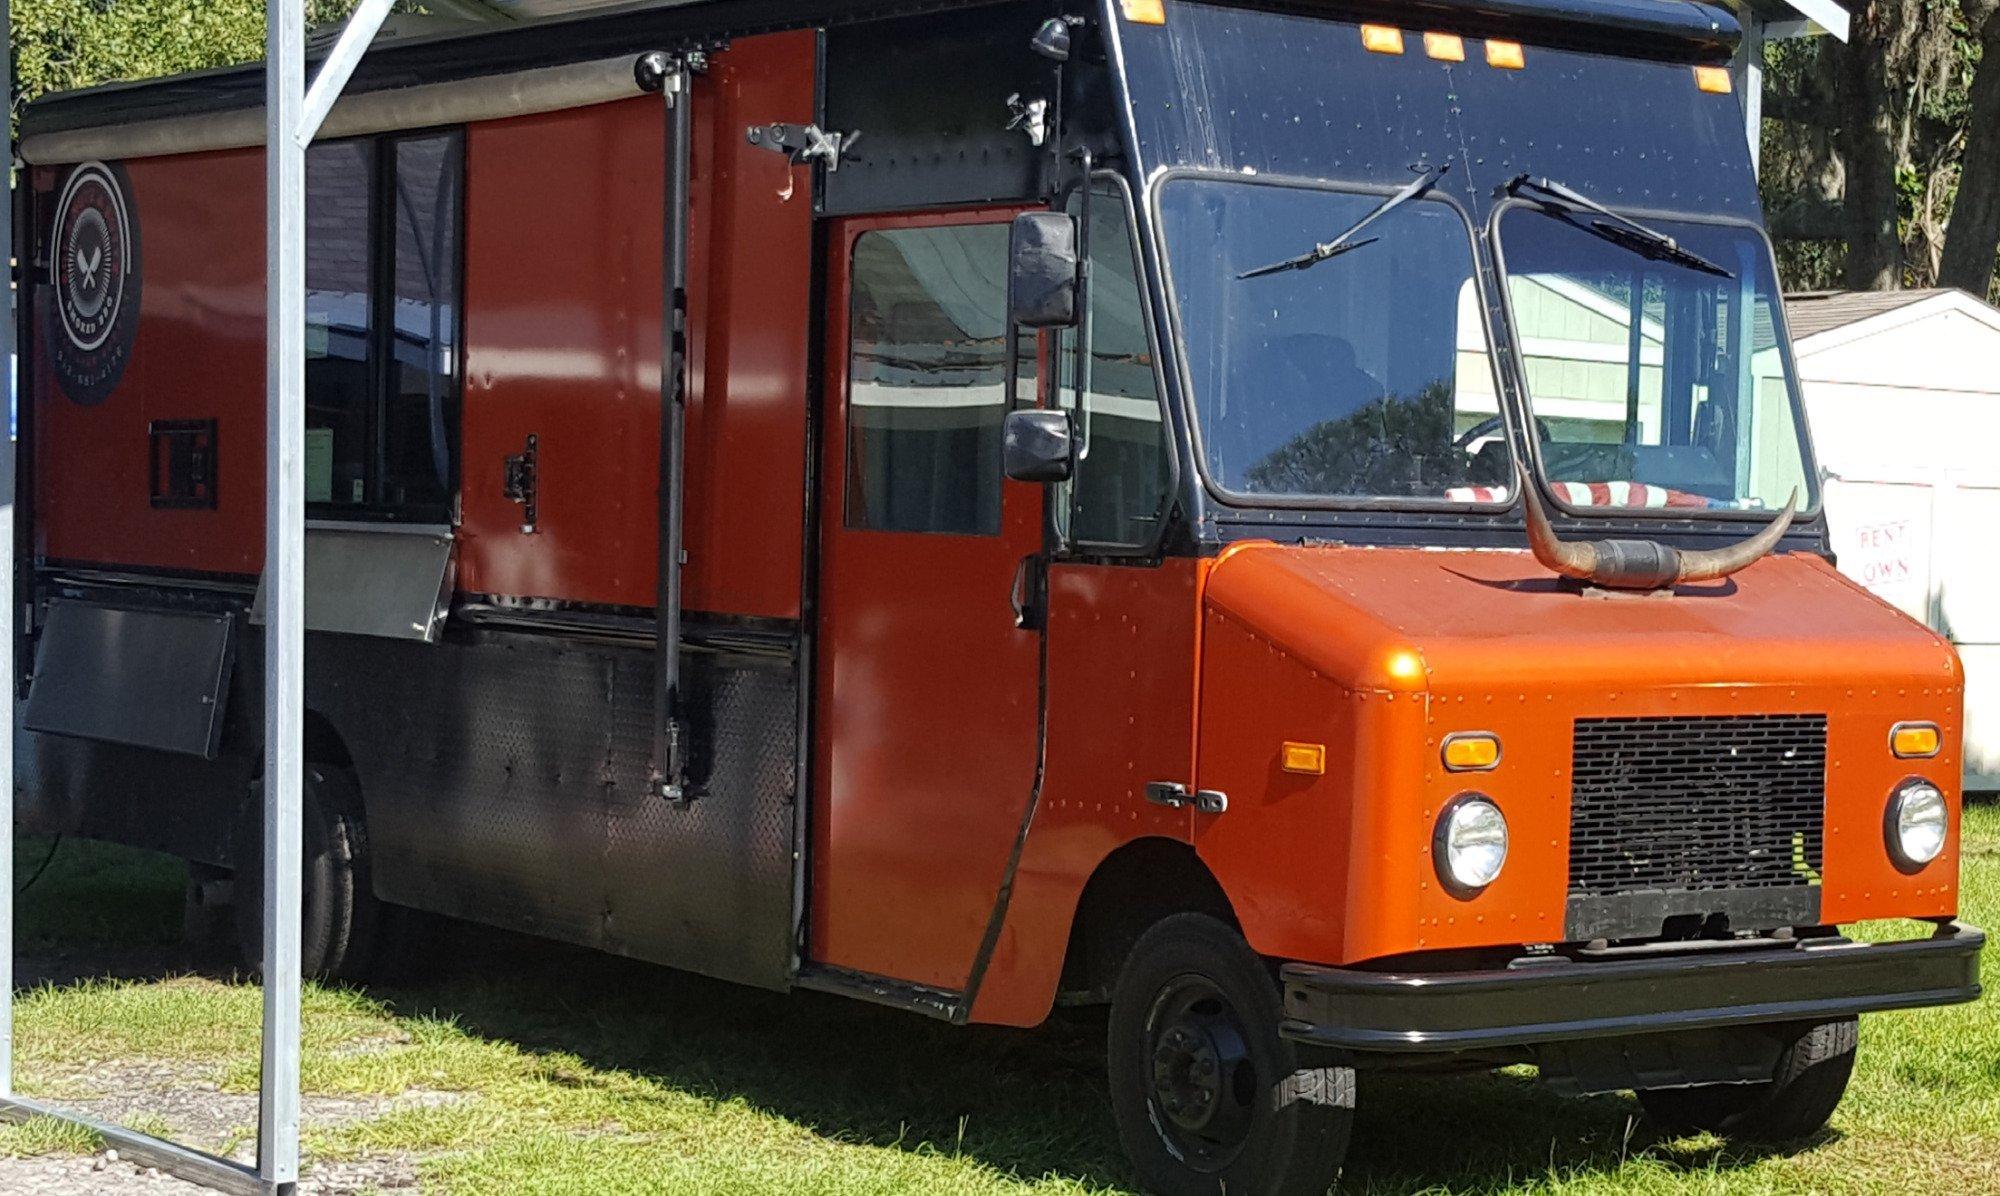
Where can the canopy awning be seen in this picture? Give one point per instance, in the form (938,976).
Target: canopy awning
(1797,18)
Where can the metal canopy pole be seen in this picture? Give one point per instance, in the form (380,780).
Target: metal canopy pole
(1749,71)
(7,476)
(293,118)
(1765,21)
(284,584)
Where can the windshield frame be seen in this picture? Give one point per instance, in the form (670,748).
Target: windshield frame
(1069,546)
(1183,373)
(1814,497)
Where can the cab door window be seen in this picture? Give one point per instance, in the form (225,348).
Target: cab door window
(927,379)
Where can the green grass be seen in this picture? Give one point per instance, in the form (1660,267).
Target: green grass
(534,1068)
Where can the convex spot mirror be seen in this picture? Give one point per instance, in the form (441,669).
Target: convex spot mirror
(1042,270)
(1038,446)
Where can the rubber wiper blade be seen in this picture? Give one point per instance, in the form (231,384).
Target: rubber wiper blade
(1620,230)
(1347,241)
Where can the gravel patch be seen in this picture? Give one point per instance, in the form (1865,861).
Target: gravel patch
(70,1175)
(186,1099)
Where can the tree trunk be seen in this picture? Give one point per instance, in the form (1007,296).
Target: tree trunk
(1867,142)
(1973,237)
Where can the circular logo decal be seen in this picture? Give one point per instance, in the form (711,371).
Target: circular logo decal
(94,272)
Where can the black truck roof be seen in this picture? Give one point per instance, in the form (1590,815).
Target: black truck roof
(1676,29)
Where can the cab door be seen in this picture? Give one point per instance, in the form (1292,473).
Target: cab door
(926,723)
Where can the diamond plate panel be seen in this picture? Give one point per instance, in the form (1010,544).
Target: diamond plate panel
(509,782)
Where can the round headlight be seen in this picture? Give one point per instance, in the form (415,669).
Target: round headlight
(1917,823)
(1471,843)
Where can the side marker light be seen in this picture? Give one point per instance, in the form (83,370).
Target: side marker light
(1307,759)
(1713,80)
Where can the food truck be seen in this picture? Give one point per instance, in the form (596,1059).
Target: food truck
(973,506)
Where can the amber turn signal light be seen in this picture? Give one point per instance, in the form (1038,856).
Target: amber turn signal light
(1144,12)
(1713,80)
(1471,751)
(1382,39)
(1308,759)
(1915,741)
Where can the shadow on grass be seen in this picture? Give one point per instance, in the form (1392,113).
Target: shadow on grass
(1030,1104)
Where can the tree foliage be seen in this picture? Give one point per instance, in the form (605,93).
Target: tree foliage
(65,44)
(1882,156)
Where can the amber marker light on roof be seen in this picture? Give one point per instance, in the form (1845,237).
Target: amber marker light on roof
(1508,56)
(1445,47)
(1914,741)
(1144,12)
(1382,39)
(1308,759)
(1714,80)
(1471,751)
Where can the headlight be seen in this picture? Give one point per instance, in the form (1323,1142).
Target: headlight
(1917,823)
(1471,843)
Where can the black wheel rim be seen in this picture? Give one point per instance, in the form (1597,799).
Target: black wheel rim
(1201,1082)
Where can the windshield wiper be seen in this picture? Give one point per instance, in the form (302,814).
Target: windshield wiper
(1619,230)
(1345,242)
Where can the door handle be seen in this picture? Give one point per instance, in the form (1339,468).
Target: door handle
(1029,595)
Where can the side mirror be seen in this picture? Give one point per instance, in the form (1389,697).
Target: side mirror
(1037,446)
(1042,270)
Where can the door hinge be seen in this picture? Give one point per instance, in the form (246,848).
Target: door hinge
(1174,795)
(518,483)
(804,143)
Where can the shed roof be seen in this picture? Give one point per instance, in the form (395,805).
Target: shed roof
(1810,313)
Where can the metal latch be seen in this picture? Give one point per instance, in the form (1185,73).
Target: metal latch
(804,143)
(674,790)
(518,483)
(1029,116)
(1174,795)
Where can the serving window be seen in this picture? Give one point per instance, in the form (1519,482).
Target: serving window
(384,228)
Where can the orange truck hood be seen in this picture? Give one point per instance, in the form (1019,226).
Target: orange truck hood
(1486,617)
(1379,654)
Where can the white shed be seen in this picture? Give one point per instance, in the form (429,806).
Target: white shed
(1902,391)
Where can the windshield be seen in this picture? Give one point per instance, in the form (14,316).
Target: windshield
(1652,383)
(1364,375)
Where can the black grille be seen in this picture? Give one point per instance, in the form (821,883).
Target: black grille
(1696,805)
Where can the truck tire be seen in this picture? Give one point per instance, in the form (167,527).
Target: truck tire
(1208,1099)
(339,914)
(1807,1085)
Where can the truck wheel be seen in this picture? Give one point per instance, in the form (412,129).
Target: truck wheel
(1810,1079)
(339,914)
(1208,1098)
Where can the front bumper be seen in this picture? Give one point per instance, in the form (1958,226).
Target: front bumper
(1555,999)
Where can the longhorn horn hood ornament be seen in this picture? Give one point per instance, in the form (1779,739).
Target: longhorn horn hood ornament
(1643,564)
